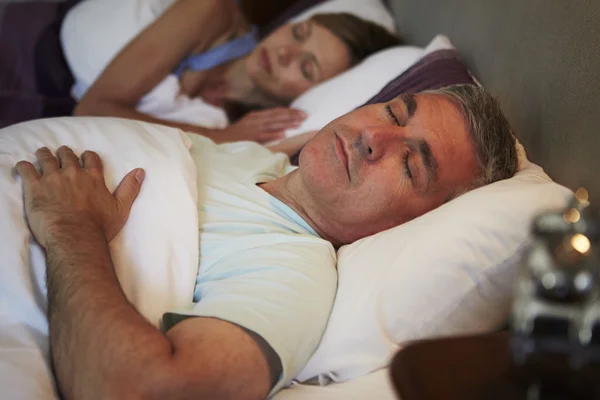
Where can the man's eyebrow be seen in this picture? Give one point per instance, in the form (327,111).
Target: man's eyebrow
(410,103)
(431,164)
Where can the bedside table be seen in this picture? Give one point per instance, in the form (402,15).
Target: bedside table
(473,368)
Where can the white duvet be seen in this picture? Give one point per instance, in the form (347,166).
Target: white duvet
(155,255)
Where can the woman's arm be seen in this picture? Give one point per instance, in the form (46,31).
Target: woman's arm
(261,126)
(186,26)
(101,107)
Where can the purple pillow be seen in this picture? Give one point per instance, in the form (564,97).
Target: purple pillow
(436,70)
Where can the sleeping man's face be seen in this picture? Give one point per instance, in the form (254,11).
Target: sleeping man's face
(385,164)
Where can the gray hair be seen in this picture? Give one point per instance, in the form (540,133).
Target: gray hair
(490,131)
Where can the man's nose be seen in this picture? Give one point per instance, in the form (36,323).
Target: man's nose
(380,141)
(285,55)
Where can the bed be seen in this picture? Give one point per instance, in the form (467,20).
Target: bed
(539,58)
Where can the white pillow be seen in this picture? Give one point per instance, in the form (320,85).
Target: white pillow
(353,88)
(439,42)
(369,10)
(447,272)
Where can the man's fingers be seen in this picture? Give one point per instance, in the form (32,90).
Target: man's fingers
(91,160)
(48,163)
(128,189)
(27,172)
(66,157)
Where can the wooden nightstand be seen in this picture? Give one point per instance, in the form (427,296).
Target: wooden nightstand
(473,368)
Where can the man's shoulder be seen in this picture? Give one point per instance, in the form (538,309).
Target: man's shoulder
(247,160)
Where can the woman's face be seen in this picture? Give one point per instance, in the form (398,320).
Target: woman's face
(295,58)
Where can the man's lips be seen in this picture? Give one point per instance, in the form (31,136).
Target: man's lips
(265,63)
(341,151)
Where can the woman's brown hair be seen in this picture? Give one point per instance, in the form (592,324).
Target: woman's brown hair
(363,38)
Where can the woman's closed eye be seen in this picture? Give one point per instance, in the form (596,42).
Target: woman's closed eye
(309,70)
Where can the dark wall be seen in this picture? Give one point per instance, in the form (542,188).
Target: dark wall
(541,58)
(261,12)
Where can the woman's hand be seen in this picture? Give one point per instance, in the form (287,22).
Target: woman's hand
(292,145)
(263,126)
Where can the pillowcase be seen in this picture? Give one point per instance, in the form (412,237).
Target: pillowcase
(465,252)
(447,272)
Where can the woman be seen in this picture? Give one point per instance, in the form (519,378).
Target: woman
(271,73)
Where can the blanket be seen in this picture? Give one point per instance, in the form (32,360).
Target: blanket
(155,255)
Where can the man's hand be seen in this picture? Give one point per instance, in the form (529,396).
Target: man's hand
(66,193)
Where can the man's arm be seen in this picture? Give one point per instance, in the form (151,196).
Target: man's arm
(101,346)
(94,332)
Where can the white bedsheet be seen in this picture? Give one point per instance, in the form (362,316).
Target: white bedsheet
(375,386)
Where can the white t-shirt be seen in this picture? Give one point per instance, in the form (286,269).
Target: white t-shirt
(261,266)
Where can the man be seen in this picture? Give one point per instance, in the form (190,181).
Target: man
(267,281)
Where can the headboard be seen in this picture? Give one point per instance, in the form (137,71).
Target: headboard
(541,59)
